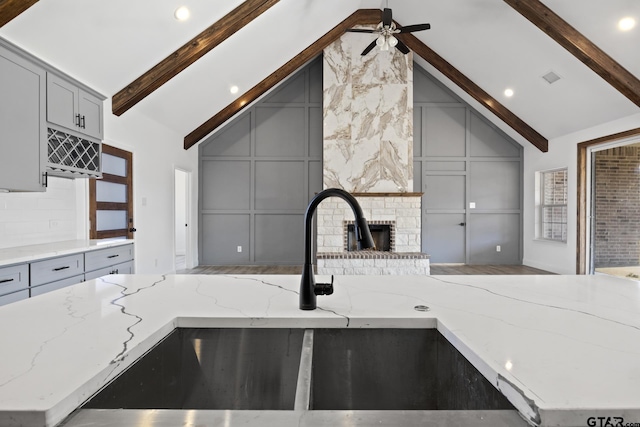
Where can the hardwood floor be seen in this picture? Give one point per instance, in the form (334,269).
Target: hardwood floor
(244,269)
(436,269)
(440,269)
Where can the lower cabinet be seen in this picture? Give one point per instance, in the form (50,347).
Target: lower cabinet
(122,268)
(14,283)
(115,260)
(18,282)
(14,297)
(55,269)
(58,284)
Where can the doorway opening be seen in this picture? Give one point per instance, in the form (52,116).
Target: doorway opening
(613,206)
(182,185)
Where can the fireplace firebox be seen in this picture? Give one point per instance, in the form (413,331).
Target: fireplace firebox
(382,234)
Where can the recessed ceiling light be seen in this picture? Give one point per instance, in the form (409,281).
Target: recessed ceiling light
(625,24)
(233,89)
(182,13)
(508,93)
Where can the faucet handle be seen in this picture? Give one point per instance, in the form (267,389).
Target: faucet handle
(324,288)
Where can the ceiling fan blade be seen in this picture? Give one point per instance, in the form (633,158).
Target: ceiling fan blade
(360,30)
(402,47)
(386,17)
(368,48)
(417,27)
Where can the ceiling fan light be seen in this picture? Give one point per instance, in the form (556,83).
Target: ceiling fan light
(381,41)
(392,41)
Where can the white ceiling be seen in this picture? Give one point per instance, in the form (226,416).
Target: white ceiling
(108,44)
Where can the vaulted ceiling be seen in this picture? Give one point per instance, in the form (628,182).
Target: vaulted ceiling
(179,73)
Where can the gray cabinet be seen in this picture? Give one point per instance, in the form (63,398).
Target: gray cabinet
(73,108)
(49,123)
(22,123)
(58,284)
(115,260)
(55,269)
(14,283)
(18,282)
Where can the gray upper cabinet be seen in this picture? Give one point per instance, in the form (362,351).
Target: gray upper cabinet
(22,123)
(50,124)
(73,108)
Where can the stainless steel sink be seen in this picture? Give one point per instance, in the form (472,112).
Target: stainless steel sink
(243,368)
(310,378)
(395,369)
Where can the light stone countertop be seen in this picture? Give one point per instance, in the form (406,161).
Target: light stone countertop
(30,253)
(561,348)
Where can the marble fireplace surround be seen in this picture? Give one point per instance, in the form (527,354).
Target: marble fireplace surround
(368,151)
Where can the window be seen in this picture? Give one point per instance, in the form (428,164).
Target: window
(553,205)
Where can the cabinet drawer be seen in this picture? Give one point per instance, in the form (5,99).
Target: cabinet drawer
(102,258)
(123,268)
(55,269)
(14,278)
(16,296)
(43,289)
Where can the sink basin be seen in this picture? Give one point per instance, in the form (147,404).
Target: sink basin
(395,369)
(244,368)
(287,369)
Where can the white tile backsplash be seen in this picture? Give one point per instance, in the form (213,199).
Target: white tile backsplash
(34,218)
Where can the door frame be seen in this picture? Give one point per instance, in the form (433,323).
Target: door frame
(584,203)
(94,205)
(187,208)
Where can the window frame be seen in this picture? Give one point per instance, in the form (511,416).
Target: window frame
(542,205)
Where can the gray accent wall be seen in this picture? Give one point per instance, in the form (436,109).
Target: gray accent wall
(459,159)
(258,174)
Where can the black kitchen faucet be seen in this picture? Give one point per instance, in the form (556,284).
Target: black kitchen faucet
(308,287)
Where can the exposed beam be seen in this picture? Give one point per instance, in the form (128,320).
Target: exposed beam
(368,17)
(188,54)
(580,46)
(359,17)
(476,92)
(9,9)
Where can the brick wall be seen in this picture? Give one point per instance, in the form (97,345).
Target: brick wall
(617,206)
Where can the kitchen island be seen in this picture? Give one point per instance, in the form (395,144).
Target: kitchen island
(562,349)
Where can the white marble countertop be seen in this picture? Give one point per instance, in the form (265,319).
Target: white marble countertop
(23,254)
(561,348)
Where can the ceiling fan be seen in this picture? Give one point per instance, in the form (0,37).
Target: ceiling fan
(386,30)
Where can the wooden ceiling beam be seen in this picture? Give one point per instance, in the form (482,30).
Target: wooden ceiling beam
(579,46)
(359,17)
(475,91)
(368,17)
(9,9)
(188,54)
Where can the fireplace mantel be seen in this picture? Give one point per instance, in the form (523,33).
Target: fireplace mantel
(404,194)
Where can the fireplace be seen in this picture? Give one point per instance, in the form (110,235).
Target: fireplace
(383,234)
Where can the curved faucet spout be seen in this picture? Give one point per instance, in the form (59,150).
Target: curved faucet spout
(308,289)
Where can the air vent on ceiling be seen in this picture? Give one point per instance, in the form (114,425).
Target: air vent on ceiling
(551,77)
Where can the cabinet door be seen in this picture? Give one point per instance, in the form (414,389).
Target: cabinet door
(22,123)
(91,115)
(62,102)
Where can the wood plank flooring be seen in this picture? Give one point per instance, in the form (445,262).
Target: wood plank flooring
(436,269)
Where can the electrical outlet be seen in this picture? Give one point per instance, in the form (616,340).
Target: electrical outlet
(498,248)
(54,224)
(239,249)
(156,262)
(472,205)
